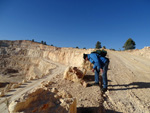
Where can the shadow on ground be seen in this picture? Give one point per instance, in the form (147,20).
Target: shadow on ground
(8,95)
(95,110)
(88,78)
(134,85)
(3,84)
(89,110)
(12,90)
(111,111)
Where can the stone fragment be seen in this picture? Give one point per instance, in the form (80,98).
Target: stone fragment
(8,87)
(20,83)
(12,106)
(24,81)
(64,94)
(15,85)
(84,83)
(54,90)
(2,94)
(69,104)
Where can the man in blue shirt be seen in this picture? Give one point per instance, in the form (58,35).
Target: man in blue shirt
(104,65)
(100,65)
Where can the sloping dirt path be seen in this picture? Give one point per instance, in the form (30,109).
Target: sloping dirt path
(129,84)
(14,94)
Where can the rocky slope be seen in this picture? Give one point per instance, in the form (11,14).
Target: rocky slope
(67,56)
(25,59)
(128,75)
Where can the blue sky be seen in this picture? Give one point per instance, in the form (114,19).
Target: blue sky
(71,23)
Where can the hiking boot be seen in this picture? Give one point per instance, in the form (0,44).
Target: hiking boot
(104,89)
(96,84)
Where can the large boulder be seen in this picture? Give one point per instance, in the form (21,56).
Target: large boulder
(44,100)
(75,74)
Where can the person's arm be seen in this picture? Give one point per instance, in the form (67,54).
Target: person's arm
(96,65)
(92,70)
(101,70)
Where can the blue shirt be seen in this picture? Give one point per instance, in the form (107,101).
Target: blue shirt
(102,61)
(97,60)
(93,58)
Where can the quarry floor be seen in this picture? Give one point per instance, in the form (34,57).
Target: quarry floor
(128,87)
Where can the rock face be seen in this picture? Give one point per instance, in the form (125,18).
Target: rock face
(44,100)
(67,56)
(75,74)
(21,61)
(27,60)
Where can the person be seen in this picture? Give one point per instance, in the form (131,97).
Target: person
(100,66)
(104,62)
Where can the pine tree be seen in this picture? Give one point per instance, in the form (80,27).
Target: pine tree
(129,44)
(98,45)
(104,47)
(44,43)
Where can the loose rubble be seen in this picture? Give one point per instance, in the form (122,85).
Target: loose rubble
(46,99)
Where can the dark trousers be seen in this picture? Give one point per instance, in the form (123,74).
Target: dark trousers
(104,74)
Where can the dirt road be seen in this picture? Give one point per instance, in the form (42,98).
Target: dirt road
(129,84)
(14,94)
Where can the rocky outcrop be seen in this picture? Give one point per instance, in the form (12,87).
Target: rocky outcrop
(27,60)
(21,61)
(44,100)
(75,74)
(67,56)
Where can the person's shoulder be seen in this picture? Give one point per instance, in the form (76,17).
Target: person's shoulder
(102,57)
(92,54)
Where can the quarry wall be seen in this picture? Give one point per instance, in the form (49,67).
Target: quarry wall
(67,56)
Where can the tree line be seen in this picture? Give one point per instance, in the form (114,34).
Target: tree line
(128,45)
(42,42)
